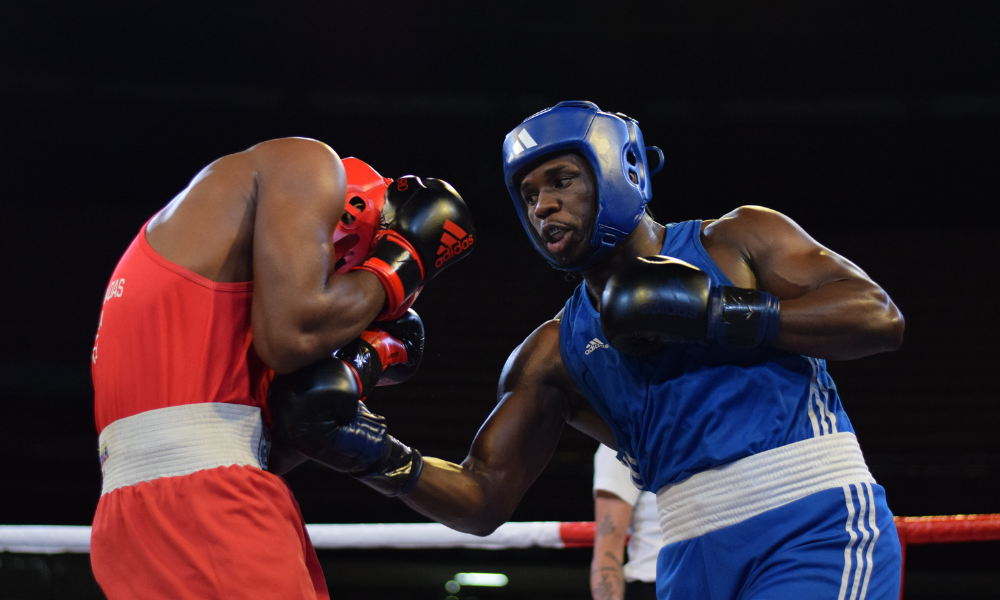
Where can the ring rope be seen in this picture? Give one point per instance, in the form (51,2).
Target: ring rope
(57,539)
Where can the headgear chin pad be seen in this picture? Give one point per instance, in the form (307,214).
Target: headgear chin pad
(612,143)
(357,231)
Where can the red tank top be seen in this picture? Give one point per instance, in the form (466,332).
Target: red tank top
(168,336)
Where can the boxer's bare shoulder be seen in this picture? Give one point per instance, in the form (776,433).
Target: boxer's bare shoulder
(209,227)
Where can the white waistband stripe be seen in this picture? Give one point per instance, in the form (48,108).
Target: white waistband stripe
(180,440)
(742,489)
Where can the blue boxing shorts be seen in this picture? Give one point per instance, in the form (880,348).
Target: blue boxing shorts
(839,544)
(804,520)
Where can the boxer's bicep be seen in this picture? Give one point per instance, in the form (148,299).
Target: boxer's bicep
(785,259)
(299,191)
(829,307)
(515,444)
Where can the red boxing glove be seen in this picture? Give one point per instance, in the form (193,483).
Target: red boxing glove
(387,354)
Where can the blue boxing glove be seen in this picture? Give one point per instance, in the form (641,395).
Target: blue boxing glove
(655,300)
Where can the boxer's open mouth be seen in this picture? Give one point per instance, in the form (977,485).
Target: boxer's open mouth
(557,237)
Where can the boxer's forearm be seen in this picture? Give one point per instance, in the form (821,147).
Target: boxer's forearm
(459,498)
(292,330)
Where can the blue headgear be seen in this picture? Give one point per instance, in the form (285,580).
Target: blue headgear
(613,145)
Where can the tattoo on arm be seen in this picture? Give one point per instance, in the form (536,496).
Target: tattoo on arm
(611,587)
(607,526)
(611,556)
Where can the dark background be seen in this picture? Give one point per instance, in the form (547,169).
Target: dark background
(875,125)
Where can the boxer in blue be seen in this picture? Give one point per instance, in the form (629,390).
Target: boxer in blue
(696,350)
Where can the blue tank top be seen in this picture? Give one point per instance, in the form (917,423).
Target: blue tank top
(692,407)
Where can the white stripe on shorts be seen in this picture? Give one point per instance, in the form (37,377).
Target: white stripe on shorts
(865,564)
(875,534)
(865,538)
(850,545)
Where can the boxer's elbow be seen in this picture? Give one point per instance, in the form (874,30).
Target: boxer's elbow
(286,351)
(480,524)
(297,338)
(888,326)
(493,512)
(893,328)
(485,529)
(460,498)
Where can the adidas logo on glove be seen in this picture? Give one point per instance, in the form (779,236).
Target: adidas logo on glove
(454,241)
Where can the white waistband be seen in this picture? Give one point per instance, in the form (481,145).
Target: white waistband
(180,440)
(732,493)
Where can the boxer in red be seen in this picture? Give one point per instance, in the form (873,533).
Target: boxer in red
(269,260)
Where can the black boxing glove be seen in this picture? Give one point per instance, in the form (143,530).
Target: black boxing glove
(309,404)
(314,424)
(317,412)
(428,227)
(387,353)
(657,299)
(397,467)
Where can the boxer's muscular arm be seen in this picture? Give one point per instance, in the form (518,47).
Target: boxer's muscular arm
(829,307)
(301,312)
(536,398)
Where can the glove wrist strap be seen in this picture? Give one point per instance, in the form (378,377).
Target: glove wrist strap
(742,318)
(397,472)
(364,360)
(396,264)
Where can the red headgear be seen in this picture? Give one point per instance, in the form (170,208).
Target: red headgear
(355,234)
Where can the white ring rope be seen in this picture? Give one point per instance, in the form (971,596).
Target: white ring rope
(56,539)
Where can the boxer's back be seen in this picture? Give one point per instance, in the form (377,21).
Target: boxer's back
(208,227)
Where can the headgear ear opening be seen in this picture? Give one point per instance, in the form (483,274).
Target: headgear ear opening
(355,233)
(660,160)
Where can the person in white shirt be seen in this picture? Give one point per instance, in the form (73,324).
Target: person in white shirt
(621,509)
